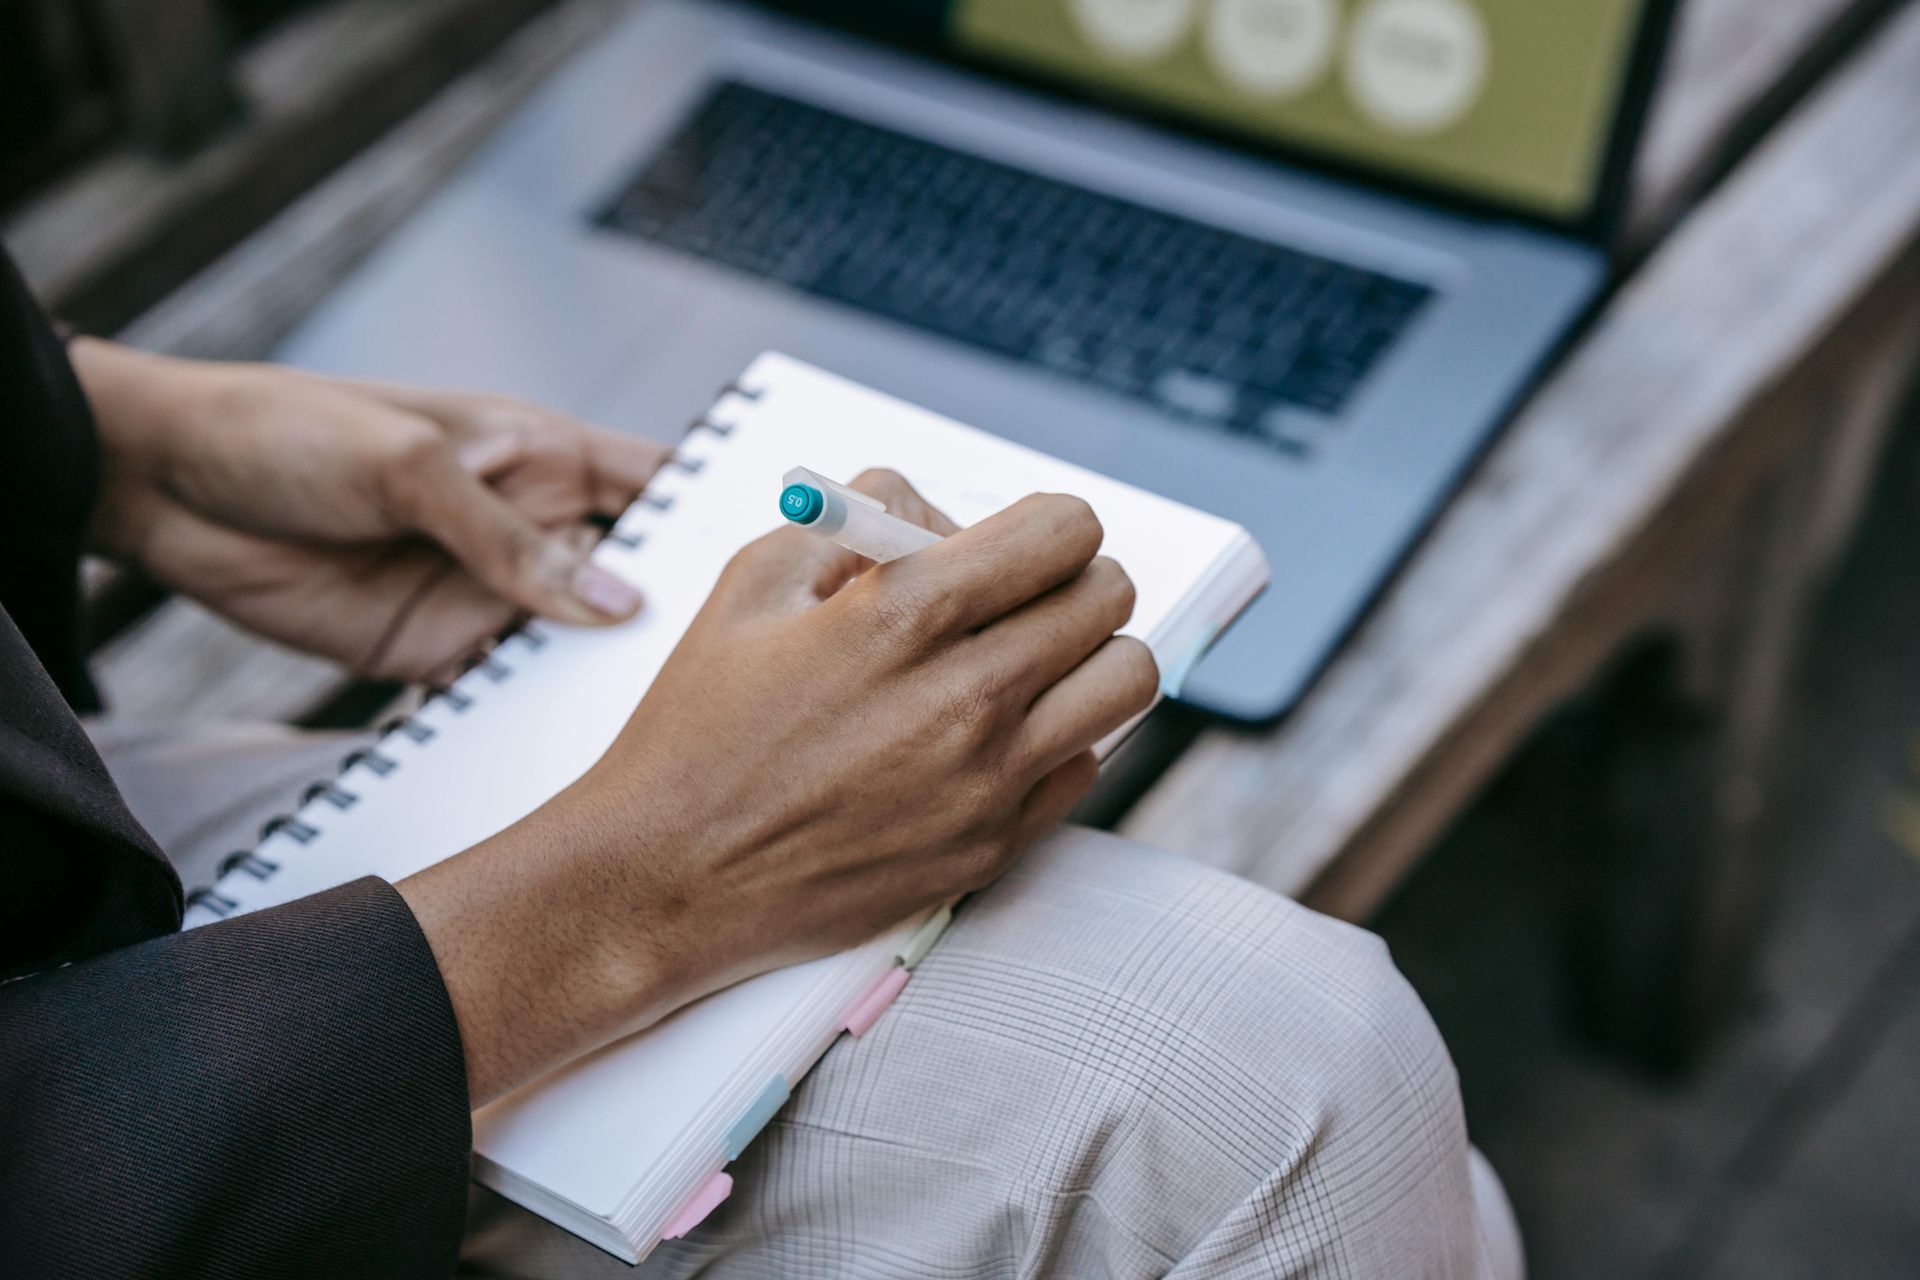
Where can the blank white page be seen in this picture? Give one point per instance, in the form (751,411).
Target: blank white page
(839,428)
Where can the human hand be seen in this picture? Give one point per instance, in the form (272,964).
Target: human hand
(827,753)
(388,528)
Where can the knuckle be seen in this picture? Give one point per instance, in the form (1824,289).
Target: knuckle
(784,546)
(411,455)
(879,480)
(969,707)
(1073,522)
(408,455)
(742,565)
(1070,784)
(512,413)
(986,802)
(907,609)
(754,552)
(525,545)
(415,446)
(740,562)
(247,390)
(986,860)
(898,614)
(503,414)
(890,487)
(520,435)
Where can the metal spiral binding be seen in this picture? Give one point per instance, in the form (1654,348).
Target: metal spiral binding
(446,693)
(250,862)
(487,661)
(213,900)
(332,792)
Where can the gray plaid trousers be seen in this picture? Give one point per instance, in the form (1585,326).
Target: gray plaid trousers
(1117,1063)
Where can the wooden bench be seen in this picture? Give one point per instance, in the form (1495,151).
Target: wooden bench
(1682,483)
(1678,487)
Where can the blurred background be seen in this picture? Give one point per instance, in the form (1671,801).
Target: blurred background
(198,174)
(1785,1144)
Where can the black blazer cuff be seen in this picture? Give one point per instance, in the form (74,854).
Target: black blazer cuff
(281,1093)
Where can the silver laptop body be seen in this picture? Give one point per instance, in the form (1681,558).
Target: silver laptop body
(510,279)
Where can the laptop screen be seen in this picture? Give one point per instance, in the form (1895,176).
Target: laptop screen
(1508,102)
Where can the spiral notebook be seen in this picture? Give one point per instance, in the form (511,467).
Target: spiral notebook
(629,1145)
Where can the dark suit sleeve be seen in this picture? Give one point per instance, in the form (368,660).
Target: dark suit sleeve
(278,1094)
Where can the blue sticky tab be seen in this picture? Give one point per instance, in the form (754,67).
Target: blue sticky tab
(748,1126)
(1176,675)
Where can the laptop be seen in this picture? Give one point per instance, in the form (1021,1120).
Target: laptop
(1290,261)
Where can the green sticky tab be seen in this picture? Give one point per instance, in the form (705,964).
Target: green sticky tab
(925,936)
(761,1110)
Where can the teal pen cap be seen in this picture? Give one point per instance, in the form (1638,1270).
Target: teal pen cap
(857,521)
(802,503)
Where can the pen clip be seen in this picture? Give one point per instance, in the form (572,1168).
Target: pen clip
(806,475)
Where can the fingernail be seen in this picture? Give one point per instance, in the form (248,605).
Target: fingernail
(603,592)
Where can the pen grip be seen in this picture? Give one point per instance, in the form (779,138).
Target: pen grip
(881,537)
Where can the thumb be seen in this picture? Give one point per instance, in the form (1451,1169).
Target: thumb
(537,570)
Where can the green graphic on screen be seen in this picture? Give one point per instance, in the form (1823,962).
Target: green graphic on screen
(1508,100)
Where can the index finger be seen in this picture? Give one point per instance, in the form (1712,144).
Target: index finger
(498,431)
(620,463)
(985,571)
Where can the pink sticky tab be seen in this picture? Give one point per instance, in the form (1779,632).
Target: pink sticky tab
(868,1011)
(704,1202)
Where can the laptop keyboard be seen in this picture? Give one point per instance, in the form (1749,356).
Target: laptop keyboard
(1238,334)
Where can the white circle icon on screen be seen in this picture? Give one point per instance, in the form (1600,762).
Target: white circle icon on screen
(1134,29)
(1272,47)
(1417,65)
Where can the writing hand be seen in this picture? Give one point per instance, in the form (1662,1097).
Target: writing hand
(827,752)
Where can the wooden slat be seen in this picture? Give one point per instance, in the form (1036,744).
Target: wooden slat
(166,64)
(125,229)
(184,664)
(55,105)
(242,306)
(1611,481)
(1728,59)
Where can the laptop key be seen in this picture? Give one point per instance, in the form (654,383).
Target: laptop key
(1222,330)
(1197,394)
